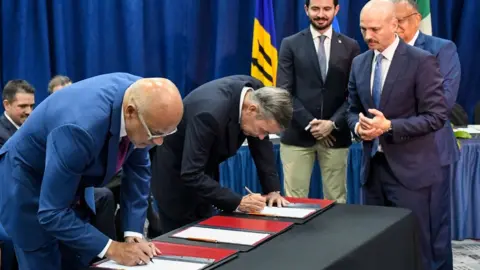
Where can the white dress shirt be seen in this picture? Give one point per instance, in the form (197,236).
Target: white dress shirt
(11,121)
(412,42)
(242,97)
(327,44)
(123,133)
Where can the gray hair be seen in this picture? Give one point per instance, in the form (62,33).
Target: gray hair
(412,3)
(275,103)
(58,80)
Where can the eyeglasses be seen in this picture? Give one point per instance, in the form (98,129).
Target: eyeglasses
(151,136)
(404,19)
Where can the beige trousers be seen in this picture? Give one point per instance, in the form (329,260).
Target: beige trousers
(297,170)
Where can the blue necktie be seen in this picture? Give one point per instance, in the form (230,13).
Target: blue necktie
(322,57)
(377,93)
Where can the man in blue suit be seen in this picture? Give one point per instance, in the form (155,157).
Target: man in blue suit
(396,104)
(75,140)
(446,53)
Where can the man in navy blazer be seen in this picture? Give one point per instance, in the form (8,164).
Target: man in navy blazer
(396,104)
(75,140)
(446,53)
(18,98)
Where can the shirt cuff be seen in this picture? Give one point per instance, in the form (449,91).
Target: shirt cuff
(104,251)
(356,129)
(133,234)
(309,126)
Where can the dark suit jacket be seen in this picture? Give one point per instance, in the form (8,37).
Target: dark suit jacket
(6,129)
(446,53)
(412,98)
(185,169)
(299,73)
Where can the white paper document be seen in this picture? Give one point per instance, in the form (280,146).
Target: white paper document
(287,212)
(158,264)
(222,235)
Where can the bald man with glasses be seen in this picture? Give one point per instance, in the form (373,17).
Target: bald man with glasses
(78,139)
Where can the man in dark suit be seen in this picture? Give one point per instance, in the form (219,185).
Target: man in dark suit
(219,116)
(446,53)
(396,104)
(51,164)
(18,101)
(314,65)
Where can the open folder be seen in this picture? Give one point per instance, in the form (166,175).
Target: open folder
(159,264)
(220,235)
(178,257)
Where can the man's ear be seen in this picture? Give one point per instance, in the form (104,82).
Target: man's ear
(130,110)
(6,104)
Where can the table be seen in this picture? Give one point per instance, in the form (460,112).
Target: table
(240,170)
(343,237)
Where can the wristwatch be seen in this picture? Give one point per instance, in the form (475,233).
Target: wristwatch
(334,126)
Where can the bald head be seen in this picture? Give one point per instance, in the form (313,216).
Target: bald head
(378,24)
(157,102)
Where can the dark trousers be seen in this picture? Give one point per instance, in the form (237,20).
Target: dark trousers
(440,216)
(427,204)
(105,207)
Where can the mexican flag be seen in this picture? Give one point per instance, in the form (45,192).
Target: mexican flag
(426,23)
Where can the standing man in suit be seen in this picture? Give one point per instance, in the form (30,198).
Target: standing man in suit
(446,53)
(18,101)
(396,104)
(219,116)
(314,66)
(76,140)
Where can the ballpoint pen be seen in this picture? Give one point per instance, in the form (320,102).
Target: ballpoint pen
(248,190)
(136,241)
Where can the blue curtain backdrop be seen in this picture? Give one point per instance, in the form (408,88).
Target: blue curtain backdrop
(187,41)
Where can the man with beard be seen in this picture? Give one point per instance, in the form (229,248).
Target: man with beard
(396,104)
(314,67)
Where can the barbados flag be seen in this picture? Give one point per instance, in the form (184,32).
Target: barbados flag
(264,47)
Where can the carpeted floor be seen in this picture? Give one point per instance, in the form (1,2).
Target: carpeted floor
(466,255)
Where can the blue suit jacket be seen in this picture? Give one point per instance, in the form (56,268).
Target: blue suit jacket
(7,129)
(446,53)
(412,98)
(68,143)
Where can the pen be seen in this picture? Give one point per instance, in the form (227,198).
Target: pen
(202,239)
(248,190)
(136,241)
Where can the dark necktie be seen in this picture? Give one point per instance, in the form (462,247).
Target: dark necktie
(377,93)
(122,152)
(322,57)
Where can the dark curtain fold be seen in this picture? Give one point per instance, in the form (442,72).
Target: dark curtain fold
(188,41)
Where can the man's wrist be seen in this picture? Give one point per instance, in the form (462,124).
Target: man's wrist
(388,127)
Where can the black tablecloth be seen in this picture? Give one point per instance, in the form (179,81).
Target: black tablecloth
(345,237)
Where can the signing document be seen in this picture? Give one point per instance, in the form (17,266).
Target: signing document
(158,264)
(221,236)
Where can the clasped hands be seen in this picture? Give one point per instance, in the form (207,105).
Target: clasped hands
(321,130)
(371,128)
(253,203)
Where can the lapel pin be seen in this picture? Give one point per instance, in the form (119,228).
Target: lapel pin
(339,41)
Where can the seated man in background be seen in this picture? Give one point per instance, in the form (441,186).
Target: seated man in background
(105,204)
(445,51)
(219,116)
(58,82)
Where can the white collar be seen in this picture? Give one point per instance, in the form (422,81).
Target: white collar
(412,42)
(390,50)
(11,121)
(316,34)
(242,97)
(123,131)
